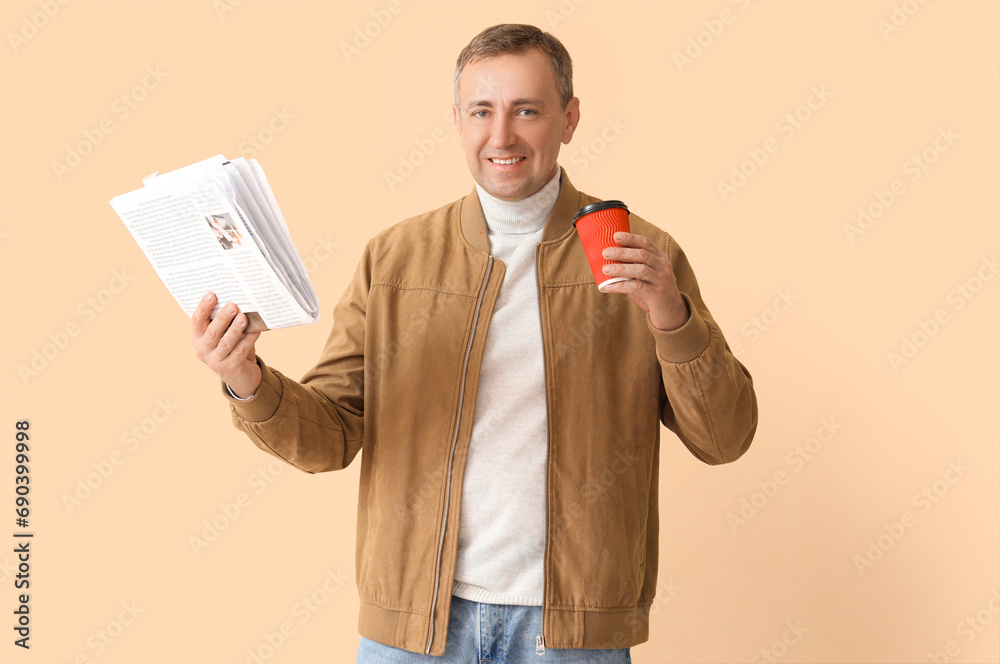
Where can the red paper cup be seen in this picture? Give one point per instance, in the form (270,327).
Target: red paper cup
(596,224)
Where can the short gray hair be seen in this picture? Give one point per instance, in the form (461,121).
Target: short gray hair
(514,38)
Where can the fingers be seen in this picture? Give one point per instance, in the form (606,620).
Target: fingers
(219,337)
(635,240)
(634,249)
(633,256)
(199,319)
(637,264)
(222,322)
(638,258)
(650,279)
(232,335)
(211,330)
(245,347)
(234,348)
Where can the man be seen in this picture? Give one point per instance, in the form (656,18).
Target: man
(508,412)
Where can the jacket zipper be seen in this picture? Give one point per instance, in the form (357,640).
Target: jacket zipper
(451,455)
(540,639)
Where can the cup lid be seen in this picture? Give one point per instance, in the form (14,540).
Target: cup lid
(594,207)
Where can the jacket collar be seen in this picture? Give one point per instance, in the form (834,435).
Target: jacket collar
(557,226)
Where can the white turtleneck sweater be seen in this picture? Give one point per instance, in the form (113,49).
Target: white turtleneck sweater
(501,535)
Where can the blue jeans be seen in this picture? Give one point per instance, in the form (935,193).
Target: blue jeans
(492,634)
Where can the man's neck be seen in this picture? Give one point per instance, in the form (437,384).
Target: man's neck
(523,216)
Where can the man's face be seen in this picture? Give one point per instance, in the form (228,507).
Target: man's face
(511,122)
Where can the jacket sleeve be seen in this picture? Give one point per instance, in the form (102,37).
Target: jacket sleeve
(707,394)
(315,424)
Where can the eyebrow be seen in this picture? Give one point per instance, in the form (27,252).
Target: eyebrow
(524,101)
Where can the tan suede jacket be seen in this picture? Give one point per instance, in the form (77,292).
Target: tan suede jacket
(398,379)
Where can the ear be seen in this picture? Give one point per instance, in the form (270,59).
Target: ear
(572,115)
(457,118)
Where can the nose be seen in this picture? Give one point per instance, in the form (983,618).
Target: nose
(502,134)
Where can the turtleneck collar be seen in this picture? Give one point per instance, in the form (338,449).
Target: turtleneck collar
(522,217)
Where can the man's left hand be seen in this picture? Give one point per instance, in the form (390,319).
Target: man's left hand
(651,283)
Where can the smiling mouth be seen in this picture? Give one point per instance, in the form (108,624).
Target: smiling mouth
(506,162)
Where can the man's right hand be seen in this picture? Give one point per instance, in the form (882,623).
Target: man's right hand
(222,345)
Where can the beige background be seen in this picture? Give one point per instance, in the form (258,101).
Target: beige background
(659,136)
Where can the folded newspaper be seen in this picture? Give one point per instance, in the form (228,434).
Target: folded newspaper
(215,226)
